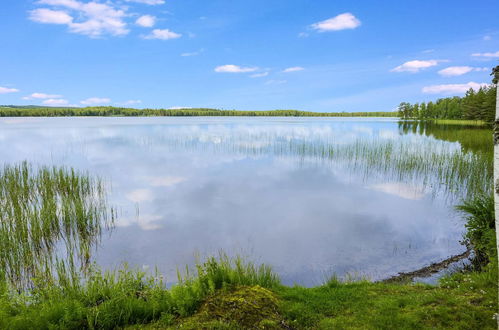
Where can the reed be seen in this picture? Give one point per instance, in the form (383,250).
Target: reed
(50,219)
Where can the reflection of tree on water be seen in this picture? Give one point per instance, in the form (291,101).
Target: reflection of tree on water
(476,139)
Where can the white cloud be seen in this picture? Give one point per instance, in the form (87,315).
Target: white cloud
(193,53)
(146,21)
(340,22)
(487,55)
(42,96)
(293,69)
(162,34)
(55,102)
(178,108)
(92,18)
(487,38)
(302,35)
(259,75)
(459,70)
(148,2)
(452,88)
(96,100)
(415,66)
(275,82)
(47,16)
(6,90)
(231,68)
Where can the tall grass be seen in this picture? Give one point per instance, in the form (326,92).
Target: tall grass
(106,300)
(480,228)
(50,218)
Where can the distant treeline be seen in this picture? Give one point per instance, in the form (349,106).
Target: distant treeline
(26,111)
(475,105)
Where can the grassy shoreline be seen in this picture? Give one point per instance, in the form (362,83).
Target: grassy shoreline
(232,294)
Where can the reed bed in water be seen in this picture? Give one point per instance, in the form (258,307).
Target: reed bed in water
(438,166)
(50,217)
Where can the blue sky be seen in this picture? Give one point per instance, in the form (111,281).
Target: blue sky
(241,54)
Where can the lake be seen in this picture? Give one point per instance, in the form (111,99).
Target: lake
(312,197)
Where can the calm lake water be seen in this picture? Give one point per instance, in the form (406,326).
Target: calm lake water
(262,188)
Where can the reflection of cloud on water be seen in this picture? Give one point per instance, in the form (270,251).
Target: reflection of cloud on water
(14,121)
(140,195)
(165,181)
(388,134)
(400,189)
(144,221)
(300,214)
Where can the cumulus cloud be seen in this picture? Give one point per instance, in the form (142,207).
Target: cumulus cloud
(42,96)
(486,55)
(55,102)
(92,18)
(146,21)
(164,34)
(148,2)
(340,22)
(259,75)
(415,66)
(95,100)
(6,90)
(458,70)
(231,68)
(293,69)
(48,16)
(452,88)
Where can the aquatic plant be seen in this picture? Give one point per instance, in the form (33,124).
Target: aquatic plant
(50,218)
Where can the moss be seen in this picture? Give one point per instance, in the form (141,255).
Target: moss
(242,308)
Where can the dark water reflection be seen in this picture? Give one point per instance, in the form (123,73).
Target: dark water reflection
(201,185)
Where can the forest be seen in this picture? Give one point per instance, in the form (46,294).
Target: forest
(108,111)
(475,105)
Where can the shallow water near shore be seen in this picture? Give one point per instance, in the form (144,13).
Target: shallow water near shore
(361,197)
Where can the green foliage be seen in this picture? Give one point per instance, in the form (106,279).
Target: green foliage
(480,228)
(475,106)
(15,111)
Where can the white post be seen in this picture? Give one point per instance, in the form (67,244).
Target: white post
(496,173)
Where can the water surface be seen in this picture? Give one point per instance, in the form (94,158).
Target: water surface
(268,189)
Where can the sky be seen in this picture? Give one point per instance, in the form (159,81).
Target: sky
(319,55)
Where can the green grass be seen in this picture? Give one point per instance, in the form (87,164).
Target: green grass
(226,296)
